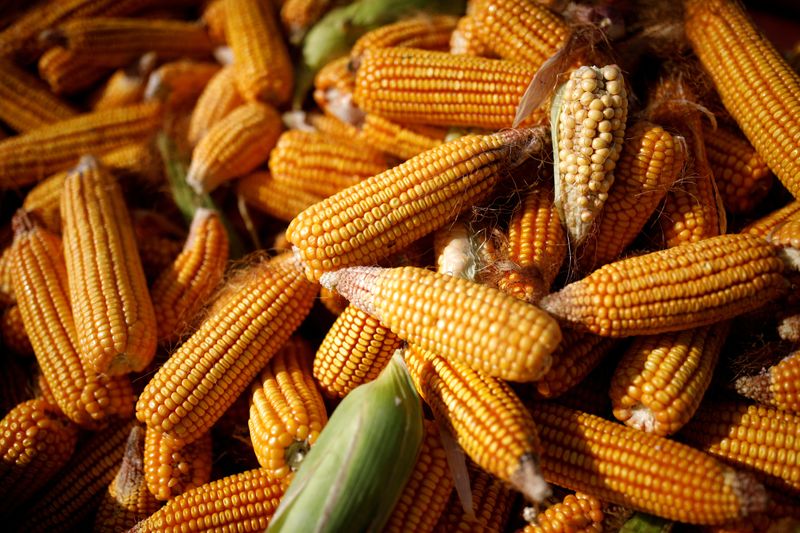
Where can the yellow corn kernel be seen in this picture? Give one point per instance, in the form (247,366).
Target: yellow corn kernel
(576,356)
(389,211)
(298,15)
(25,104)
(116,333)
(332,127)
(262,65)
(766,225)
(578,513)
(394,139)
(234,146)
(778,385)
(171,469)
(287,412)
(126,86)
(464,39)
(217,100)
(425,32)
(765,98)
(283,201)
(264,304)
(180,83)
(13,332)
(690,285)
(353,352)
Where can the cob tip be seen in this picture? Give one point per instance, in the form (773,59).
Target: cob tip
(196,176)
(751,494)
(756,387)
(528,479)
(357,284)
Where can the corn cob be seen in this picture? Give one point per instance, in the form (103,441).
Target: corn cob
(182,289)
(298,15)
(279,200)
(590,111)
(336,304)
(574,358)
(426,493)
(68,72)
(124,87)
(394,139)
(213,18)
(287,412)
(759,439)
(170,469)
(127,500)
(263,69)
(464,39)
(159,241)
(63,504)
(13,332)
(492,501)
(520,30)
(7,296)
(394,208)
(354,351)
(787,235)
(40,278)
(424,32)
(578,513)
(217,100)
(650,162)
(30,157)
(765,226)
(645,472)
(690,285)
(203,377)
(234,146)
(777,386)
(116,333)
(414,86)
(334,86)
(25,103)
(767,109)
(36,441)
(332,127)
(180,83)
(660,380)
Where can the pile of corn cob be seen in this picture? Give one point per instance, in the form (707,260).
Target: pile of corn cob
(540,207)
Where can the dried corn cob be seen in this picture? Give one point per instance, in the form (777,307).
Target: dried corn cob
(127,500)
(36,441)
(492,501)
(766,109)
(690,285)
(26,104)
(424,32)
(298,15)
(650,162)
(180,83)
(217,100)
(388,211)
(116,333)
(13,332)
(280,200)
(420,86)
(332,127)
(642,471)
(30,157)
(766,225)
(68,72)
(183,288)
(7,296)
(354,351)
(124,87)
(757,438)
(264,305)
(778,385)
(660,380)
(170,469)
(234,146)
(578,513)
(590,110)
(395,139)
(334,85)
(287,412)
(213,18)
(464,39)
(574,358)
(263,69)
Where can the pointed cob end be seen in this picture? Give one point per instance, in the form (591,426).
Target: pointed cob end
(639,417)
(357,284)
(789,328)
(197,176)
(758,388)
(528,479)
(751,494)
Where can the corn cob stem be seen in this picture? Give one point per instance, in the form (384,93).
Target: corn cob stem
(778,385)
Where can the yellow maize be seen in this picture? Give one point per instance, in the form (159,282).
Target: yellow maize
(180,83)
(159,241)
(172,469)
(25,104)
(68,72)
(280,200)
(6,277)
(425,32)
(464,39)
(13,332)
(213,18)
(575,357)
(217,100)
(394,139)
(765,226)
(778,385)
(298,15)
(126,86)
(577,513)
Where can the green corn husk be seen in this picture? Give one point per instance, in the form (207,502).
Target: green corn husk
(355,472)
(645,523)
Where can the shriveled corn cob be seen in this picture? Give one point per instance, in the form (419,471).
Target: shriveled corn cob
(334,86)
(180,83)
(396,139)
(491,331)
(427,490)
(262,66)
(25,103)
(13,332)
(32,156)
(767,106)
(660,380)
(354,351)
(213,18)
(642,471)
(298,15)
(420,86)
(388,211)
(68,72)
(40,279)
(766,225)
(171,469)
(690,285)
(219,98)
(36,441)
(287,412)
(253,495)
(778,385)
(116,333)
(425,32)
(126,86)
(760,439)
(520,30)
(263,306)
(280,200)
(588,117)
(578,513)
(127,500)
(574,358)
(234,146)
(63,504)
(650,162)
(464,39)
(182,289)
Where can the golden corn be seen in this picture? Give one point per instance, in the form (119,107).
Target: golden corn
(7,296)
(116,333)
(778,385)
(126,86)
(203,377)
(68,72)
(424,32)
(172,469)
(12,330)
(180,83)
(578,513)
(575,357)
(283,201)
(464,39)
(213,18)
(234,146)
(334,85)
(298,15)
(32,156)
(642,471)
(394,139)
(262,66)
(767,105)
(217,100)
(36,441)
(387,212)
(766,225)
(332,127)
(25,104)
(690,285)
